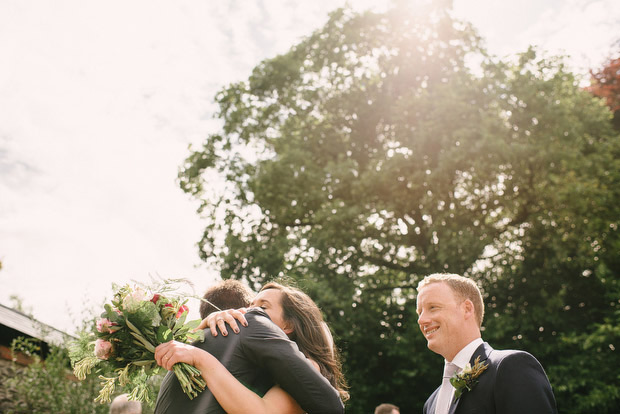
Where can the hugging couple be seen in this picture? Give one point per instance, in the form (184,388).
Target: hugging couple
(282,358)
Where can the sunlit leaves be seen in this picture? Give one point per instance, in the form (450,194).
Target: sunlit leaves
(384,147)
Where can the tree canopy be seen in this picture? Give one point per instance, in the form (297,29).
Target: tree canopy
(387,146)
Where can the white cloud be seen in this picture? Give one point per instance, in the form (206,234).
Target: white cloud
(583,29)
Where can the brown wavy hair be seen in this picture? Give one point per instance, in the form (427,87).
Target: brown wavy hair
(311,334)
(227,294)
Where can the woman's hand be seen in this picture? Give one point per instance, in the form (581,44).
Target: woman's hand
(169,353)
(220,319)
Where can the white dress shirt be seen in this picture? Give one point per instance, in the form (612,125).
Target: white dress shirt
(463,357)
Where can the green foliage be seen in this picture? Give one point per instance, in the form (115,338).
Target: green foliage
(385,147)
(47,386)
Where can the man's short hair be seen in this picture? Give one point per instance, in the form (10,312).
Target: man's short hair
(463,287)
(386,408)
(228,294)
(122,405)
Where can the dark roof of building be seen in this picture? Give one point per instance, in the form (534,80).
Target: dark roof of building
(29,326)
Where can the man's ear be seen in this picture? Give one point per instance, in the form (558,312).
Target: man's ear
(468,307)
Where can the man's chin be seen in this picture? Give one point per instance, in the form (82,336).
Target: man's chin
(433,346)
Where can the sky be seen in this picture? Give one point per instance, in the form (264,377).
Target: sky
(99,102)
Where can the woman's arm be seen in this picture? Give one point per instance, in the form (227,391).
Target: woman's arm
(233,396)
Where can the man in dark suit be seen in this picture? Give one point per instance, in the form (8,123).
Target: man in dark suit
(450,312)
(260,356)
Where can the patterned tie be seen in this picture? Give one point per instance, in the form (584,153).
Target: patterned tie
(445,392)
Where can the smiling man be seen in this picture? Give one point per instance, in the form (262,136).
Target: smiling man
(450,313)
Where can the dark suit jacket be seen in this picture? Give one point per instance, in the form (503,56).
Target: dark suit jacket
(513,383)
(260,356)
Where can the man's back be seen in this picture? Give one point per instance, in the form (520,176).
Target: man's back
(259,356)
(229,351)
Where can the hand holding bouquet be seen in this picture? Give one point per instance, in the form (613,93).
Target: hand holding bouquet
(125,338)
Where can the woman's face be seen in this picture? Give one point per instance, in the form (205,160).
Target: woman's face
(271,301)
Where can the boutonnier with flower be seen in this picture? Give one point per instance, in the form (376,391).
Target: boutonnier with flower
(467,378)
(123,341)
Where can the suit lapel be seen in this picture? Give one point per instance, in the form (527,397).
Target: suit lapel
(483,352)
(433,402)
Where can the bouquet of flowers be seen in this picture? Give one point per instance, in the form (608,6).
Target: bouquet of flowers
(125,336)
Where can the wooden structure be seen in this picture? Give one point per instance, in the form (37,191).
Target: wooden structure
(14,324)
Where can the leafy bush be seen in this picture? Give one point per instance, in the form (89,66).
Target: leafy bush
(47,385)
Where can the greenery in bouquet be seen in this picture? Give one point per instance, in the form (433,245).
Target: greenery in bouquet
(123,341)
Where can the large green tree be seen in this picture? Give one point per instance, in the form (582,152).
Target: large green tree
(386,146)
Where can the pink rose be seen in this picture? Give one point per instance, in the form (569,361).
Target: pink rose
(182,309)
(103,325)
(103,349)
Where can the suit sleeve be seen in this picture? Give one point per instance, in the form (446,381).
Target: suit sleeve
(522,386)
(271,350)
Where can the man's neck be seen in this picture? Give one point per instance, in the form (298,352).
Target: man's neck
(464,355)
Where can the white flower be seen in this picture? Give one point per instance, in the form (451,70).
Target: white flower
(132,300)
